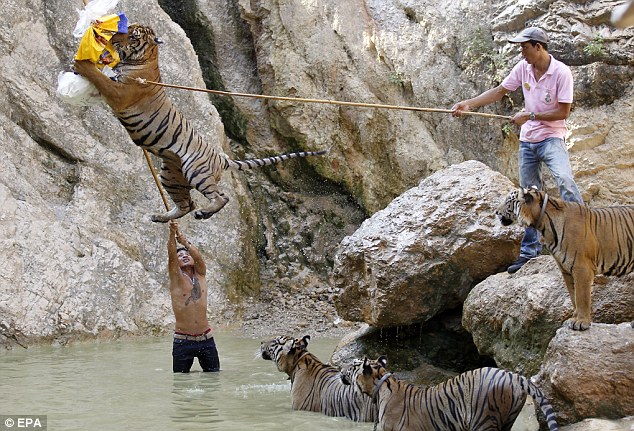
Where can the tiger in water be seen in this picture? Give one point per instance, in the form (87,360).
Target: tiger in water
(315,386)
(154,123)
(482,399)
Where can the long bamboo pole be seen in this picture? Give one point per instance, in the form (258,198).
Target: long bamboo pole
(325,101)
(156,179)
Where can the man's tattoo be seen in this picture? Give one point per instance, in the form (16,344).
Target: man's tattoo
(196,293)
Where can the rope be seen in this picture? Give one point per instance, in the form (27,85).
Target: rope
(328,102)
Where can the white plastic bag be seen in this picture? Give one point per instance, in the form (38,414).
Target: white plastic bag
(92,11)
(76,90)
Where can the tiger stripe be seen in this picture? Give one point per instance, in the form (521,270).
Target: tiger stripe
(584,241)
(315,386)
(482,399)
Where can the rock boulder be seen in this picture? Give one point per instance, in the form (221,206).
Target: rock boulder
(425,251)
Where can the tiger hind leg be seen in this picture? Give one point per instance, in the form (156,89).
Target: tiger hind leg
(217,203)
(173,214)
(178,189)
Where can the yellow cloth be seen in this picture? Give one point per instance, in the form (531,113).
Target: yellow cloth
(95,44)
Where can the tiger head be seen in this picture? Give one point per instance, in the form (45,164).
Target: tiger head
(364,373)
(350,372)
(508,211)
(139,45)
(521,205)
(284,351)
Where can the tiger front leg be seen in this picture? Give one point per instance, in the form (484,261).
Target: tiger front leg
(118,96)
(582,316)
(570,286)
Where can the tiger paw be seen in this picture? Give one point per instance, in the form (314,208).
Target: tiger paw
(217,205)
(160,218)
(578,325)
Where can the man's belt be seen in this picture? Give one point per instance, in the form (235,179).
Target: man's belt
(193,337)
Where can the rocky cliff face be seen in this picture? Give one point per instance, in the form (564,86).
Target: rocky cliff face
(81,257)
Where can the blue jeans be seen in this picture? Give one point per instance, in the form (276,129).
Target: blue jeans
(184,352)
(553,153)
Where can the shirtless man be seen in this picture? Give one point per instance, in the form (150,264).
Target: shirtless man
(188,288)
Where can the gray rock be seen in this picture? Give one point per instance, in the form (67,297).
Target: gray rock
(425,251)
(590,374)
(514,317)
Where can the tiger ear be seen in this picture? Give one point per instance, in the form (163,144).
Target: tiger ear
(305,340)
(367,369)
(382,361)
(526,196)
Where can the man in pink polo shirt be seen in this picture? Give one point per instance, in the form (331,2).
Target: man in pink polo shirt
(547,87)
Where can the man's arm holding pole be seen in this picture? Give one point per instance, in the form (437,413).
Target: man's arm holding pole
(486,98)
(199,264)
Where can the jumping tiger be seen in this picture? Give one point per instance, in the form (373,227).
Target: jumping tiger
(154,123)
(315,386)
(481,399)
(583,241)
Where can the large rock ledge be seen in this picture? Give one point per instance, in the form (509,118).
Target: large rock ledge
(400,270)
(591,373)
(513,317)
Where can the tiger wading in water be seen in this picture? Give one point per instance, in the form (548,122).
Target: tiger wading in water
(482,399)
(315,386)
(584,241)
(154,123)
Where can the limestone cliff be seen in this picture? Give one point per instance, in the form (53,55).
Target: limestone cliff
(79,254)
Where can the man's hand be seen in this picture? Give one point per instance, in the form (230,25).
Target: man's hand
(459,108)
(173,230)
(520,118)
(179,236)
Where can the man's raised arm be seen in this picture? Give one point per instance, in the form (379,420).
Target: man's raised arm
(199,264)
(172,255)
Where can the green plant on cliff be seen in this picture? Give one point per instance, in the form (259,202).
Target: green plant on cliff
(507,129)
(397,78)
(481,58)
(595,47)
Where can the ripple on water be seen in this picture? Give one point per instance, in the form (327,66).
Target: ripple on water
(129,384)
(248,390)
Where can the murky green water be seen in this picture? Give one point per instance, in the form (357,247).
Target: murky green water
(129,385)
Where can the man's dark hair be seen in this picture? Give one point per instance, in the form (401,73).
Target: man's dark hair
(181,247)
(543,44)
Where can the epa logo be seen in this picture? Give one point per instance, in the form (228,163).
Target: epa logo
(23,422)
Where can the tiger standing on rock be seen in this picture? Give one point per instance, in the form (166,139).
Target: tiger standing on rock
(315,386)
(584,241)
(154,123)
(483,399)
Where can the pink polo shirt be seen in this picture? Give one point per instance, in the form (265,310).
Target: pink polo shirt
(543,95)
